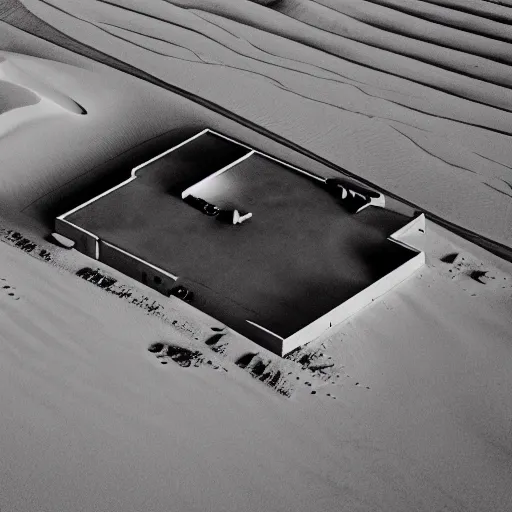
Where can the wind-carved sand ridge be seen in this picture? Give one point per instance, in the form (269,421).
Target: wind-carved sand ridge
(13,96)
(25,81)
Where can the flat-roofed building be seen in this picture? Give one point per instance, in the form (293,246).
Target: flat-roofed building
(301,264)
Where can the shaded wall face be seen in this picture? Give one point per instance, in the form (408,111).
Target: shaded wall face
(135,269)
(190,163)
(84,242)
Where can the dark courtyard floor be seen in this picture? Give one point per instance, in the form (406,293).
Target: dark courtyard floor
(299,256)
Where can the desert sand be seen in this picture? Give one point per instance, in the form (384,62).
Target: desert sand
(406,406)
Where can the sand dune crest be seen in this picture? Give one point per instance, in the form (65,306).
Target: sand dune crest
(15,74)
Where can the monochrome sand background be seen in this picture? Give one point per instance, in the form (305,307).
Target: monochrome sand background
(411,407)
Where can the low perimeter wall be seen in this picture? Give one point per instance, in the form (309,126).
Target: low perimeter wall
(263,337)
(85,242)
(352,305)
(136,268)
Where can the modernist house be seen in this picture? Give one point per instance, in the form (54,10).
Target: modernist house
(273,251)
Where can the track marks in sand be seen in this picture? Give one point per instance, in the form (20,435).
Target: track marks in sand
(321,370)
(182,356)
(279,375)
(473,275)
(266,371)
(311,369)
(7,291)
(16,239)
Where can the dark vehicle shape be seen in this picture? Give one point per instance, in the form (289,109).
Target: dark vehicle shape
(183,293)
(203,206)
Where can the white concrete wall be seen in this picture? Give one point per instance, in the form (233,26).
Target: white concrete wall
(352,305)
(195,189)
(85,242)
(412,234)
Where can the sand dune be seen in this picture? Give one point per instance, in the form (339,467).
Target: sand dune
(409,36)
(13,97)
(445,16)
(487,9)
(409,102)
(64,143)
(406,407)
(15,74)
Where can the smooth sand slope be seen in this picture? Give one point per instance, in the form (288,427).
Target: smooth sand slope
(78,122)
(418,106)
(13,97)
(418,419)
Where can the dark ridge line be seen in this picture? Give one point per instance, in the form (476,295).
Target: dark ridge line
(84,111)
(407,79)
(138,45)
(445,23)
(184,27)
(328,52)
(364,84)
(336,73)
(506,182)
(325,51)
(419,59)
(408,35)
(501,132)
(162,40)
(280,85)
(289,59)
(498,2)
(497,189)
(134,11)
(7,9)
(426,41)
(500,18)
(200,61)
(240,54)
(432,154)
(271,3)
(58,38)
(494,161)
(400,77)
